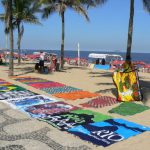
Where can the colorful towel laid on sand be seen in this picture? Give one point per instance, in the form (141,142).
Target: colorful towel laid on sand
(100,101)
(29,101)
(128,108)
(127,83)
(58,89)
(76,95)
(5,84)
(2,82)
(15,94)
(65,121)
(26,81)
(88,125)
(64,89)
(40,111)
(46,85)
(108,132)
(11,88)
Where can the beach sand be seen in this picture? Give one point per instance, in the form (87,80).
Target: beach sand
(36,134)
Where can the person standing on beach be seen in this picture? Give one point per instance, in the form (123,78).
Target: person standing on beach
(54,62)
(41,62)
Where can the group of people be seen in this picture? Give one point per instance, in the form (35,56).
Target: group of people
(102,62)
(51,63)
(4,57)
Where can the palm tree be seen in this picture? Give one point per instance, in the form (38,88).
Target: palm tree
(10,27)
(24,12)
(4,17)
(92,3)
(146,4)
(8,19)
(51,6)
(130,32)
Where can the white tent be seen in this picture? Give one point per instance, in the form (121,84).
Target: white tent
(94,55)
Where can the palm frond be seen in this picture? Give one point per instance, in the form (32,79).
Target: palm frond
(146,4)
(2,17)
(82,11)
(48,9)
(93,3)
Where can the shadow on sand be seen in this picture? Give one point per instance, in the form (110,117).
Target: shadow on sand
(23,71)
(145,88)
(76,67)
(111,90)
(101,74)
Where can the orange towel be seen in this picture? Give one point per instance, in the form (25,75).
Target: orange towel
(76,95)
(6,84)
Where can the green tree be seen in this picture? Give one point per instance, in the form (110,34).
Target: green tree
(60,6)
(10,27)
(24,12)
(146,4)
(8,19)
(4,18)
(93,3)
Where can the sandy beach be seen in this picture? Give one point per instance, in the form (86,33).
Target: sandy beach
(19,131)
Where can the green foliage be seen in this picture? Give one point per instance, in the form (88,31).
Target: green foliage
(51,6)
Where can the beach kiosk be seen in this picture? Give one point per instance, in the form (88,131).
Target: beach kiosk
(103,61)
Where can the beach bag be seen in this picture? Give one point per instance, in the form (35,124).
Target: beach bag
(127,83)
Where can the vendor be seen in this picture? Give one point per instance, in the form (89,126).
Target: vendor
(41,62)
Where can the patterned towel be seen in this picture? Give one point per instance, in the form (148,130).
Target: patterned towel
(11,88)
(16,94)
(23,103)
(76,95)
(108,132)
(40,111)
(1,80)
(64,89)
(46,85)
(5,84)
(101,101)
(67,120)
(33,81)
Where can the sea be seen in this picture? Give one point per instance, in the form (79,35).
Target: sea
(84,54)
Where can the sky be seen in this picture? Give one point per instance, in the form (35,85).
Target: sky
(106,31)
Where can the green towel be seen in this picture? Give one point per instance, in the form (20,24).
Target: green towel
(128,108)
(97,117)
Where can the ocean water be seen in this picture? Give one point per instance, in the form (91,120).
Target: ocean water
(84,54)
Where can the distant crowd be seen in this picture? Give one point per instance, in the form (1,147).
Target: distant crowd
(4,57)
